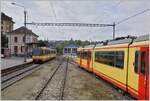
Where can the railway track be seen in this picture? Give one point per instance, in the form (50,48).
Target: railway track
(51,78)
(14,74)
(15,68)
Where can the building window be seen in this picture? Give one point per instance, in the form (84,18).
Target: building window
(69,50)
(143,62)
(22,48)
(74,50)
(15,39)
(23,39)
(9,28)
(137,61)
(111,58)
(1,27)
(65,50)
(15,49)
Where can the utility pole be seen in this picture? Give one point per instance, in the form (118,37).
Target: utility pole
(25,48)
(25,16)
(114,25)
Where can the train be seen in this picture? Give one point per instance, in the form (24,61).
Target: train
(43,54)
(123,62)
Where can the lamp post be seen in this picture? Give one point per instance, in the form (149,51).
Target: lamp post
(25,16)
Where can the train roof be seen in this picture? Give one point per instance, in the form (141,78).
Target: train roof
(89,46)
(99,44)
(142,38)
(47,48)
(121,41)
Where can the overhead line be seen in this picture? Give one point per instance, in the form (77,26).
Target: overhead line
(132,16)
(70,24)
(53,11)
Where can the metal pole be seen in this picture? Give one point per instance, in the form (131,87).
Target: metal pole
(25,47)
(114,25)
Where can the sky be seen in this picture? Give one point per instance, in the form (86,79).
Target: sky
(81,11)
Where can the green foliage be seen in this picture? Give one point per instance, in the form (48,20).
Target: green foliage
(59,45)
(4,41)
(42,43)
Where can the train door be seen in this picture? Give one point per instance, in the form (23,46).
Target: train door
(144,73)
(80,57)
(88,59)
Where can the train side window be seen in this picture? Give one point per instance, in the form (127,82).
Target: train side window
(143,62)
(84,55)
(46,52)
(137,61)
(119,59)
(112,58)
(43,52)
(78,54)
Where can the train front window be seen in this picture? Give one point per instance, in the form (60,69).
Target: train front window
(137,61)
(143,62)
(37,52)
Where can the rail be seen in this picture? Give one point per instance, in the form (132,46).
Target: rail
(51,77)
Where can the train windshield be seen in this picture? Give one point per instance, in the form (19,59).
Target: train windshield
(37,52)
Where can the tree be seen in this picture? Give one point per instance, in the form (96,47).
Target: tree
(59,47)
(78,42)
(42,43)
(4,40)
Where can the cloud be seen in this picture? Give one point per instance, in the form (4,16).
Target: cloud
(84,11)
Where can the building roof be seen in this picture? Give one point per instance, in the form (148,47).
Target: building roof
(21,30)
(71,46)
(6,18)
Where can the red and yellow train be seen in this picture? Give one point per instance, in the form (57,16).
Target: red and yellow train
(124,62)
(43,54)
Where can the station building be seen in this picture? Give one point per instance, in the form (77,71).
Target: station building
(17,42)
(7,25)
(70,50)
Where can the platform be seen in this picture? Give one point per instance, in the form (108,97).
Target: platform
(13,61)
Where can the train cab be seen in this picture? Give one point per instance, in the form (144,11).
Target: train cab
(138,72)
(43,54)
